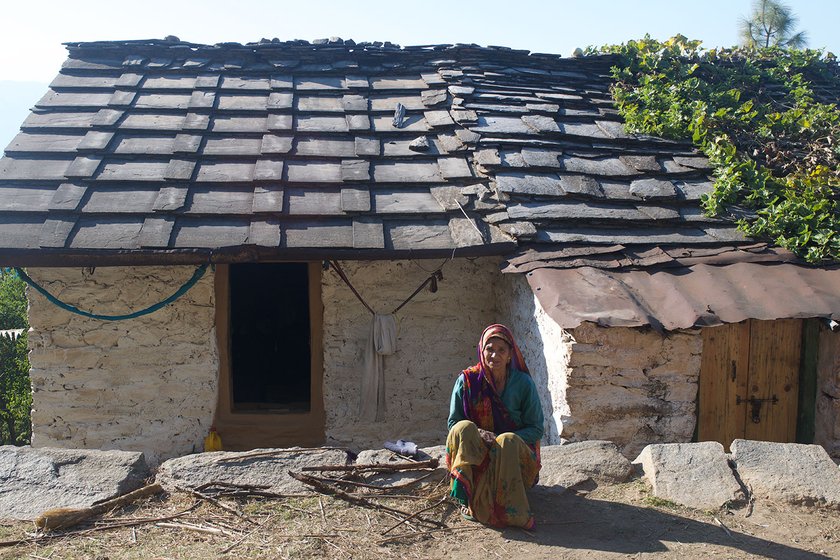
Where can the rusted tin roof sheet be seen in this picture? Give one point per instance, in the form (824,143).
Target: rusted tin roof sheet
(680,298)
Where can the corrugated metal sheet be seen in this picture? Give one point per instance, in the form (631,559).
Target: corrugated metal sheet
(680,298)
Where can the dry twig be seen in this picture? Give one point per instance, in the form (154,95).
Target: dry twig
(377,467)
(258,454)
(323,513)
(215,502)
(208,485)
(415,514)
(260,494)
(376,486)
(355,500)
(196,528)
(725,528)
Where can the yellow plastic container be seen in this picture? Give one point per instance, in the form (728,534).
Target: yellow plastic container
(213,441)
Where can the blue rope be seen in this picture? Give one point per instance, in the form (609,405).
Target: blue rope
(199,272)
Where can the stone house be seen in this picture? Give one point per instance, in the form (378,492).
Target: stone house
(499,182)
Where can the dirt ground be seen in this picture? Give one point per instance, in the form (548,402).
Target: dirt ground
(622,521)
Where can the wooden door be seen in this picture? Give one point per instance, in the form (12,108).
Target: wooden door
(749,377)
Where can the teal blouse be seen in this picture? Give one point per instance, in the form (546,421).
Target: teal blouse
(519,397)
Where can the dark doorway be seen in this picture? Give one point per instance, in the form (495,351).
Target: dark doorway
(270,337)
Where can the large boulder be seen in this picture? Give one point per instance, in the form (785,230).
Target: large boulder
(571,464)
(33,480)
(260,467)
(696,475)
(789,472)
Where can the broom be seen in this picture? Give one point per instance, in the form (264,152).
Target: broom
(60,518)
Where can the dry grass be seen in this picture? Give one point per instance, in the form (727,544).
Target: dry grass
(294,527)
(618,521)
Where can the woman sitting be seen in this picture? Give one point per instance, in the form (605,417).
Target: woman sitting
(495,425)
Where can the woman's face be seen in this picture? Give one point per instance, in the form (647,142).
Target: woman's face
(497,355)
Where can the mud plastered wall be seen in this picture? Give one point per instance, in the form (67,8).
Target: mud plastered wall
(827,429)
(437,337)
(632,386)
(545,346)
(146,384)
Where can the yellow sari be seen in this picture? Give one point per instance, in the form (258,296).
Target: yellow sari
(492,480)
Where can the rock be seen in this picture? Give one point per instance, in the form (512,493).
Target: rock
(387,480)
(692,474)
(433,97)
(564,466)
(461,90)
(789,472)
(419,144)
(35,480)
(267,467)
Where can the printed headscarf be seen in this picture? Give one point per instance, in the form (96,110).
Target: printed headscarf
(482,403)
(501,331)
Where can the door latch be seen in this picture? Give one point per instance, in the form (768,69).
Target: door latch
(755,405)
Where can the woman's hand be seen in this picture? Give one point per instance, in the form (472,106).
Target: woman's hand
(488,437)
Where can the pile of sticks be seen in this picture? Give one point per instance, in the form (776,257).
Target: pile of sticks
(330,487)
(349,483)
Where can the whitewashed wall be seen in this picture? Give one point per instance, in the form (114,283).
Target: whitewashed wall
(827,429)
(545,346)
(146,384)
(438,334)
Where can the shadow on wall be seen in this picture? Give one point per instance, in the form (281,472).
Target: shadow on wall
(522,321)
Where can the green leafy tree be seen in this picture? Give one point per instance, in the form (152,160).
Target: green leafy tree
(771,24)
(15,391)
(768,130)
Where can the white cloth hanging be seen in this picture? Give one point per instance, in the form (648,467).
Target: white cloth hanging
(382,342)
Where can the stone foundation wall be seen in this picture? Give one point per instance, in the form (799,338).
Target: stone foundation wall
(827,429)
(437,337)
(146,384)
(545,346)
(632,386)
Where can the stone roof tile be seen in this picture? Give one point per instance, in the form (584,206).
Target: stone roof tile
(152,147)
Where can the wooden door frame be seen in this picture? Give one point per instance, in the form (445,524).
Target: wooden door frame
(806,416)
(240,430)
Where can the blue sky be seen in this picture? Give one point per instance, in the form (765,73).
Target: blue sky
(31,52)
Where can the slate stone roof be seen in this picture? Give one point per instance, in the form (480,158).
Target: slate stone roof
(165,151)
